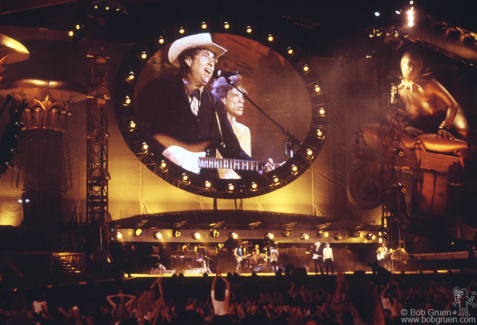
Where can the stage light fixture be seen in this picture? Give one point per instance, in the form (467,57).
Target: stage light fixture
(78,27)
(368,236)
(326,234)
(290,51)
(304,236)
(254,186)
(163,164)
(214,233)
(27,200)
(185,177)
(143,55)
(157,235)
(249,29)
(294,169)
(322,111)
(233,235)
(119,235)
(270,38)
(373,237)
(226,25)
(306,68)
(269,235)
(337,236)
(127,100)
(71,33)
(203,25)
(161,40)
(411,2)
(131,75)
(231,187)
(195,235)
(377,14)
(138,232)
(20,201)
(107,7)
(176,233)
(319,133)
(132,124)
(317,89)
(207,184)
(380,240)
(276,180)
(145,146)
(309,152)
(181,30)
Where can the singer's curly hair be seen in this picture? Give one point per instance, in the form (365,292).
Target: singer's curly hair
(220,87)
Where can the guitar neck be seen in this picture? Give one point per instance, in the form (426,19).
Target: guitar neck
(236,164)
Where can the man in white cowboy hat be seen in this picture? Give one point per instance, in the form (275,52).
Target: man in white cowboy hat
(180,111)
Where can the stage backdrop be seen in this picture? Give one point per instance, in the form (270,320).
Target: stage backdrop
(133,189)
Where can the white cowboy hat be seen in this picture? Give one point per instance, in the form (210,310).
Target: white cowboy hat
(198,40)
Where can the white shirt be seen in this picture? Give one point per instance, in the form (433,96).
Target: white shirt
(327,253)
(221,307)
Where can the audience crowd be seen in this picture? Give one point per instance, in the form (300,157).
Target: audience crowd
(380,298)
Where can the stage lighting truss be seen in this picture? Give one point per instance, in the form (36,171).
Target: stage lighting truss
(295,166)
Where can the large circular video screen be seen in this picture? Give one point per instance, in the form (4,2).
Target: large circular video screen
(254,124)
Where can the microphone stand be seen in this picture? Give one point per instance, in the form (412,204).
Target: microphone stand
(290,141)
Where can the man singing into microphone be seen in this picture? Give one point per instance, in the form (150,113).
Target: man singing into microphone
(180,111)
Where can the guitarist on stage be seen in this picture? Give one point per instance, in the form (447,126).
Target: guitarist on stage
(238,254)
(180,110)
(317,256)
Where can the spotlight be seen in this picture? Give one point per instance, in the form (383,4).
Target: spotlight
(177,233)
(380,240)
(195,235)
(304,236)
(322,111)
(214,233)
(71,33)
(254,186)
(276,180)
(203,25)
(78,27)
(309,152)
(163,164)
(317,88)
(231,187)
(20,201)
(373,237)
(377,14)
(138,232)
(290,51)
(119,235)
(294,169)
(181,30)
(185,177)
(319,132)
(249,29)
(270,38)
(143,55)
(161,40)
(326,234)
(145,146)
(233,235)
(226,25)
(131,75)
(132,124)
(269,235)
(27,200)
(208,184)
(306,68)
(287,233)
(337,236)
(157,235)
(107,7)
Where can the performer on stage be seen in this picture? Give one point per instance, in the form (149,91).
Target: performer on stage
(238,254)
(382,254)
(234,105)
(274,254)
(328,257)
(429,106)
(317,255)
(187,249)
(179,113)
